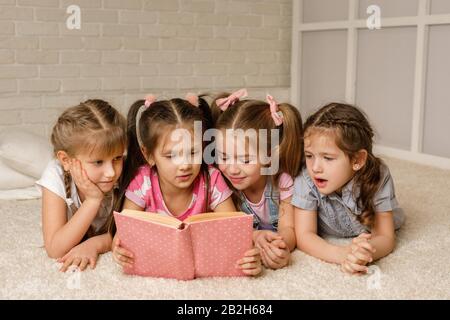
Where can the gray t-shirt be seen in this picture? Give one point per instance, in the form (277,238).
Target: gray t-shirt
(337,214)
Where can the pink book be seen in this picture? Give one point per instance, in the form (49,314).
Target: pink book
(203,245)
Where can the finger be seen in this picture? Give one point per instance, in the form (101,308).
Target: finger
(247,260)
(270,236)
(123,264)
(268,263)
(264,259)
(66,264)
(357,267)
(252,265)
(346,268)
(361,247)
(69,262)
(252,252)
(280,244)
(84,263)
(363,256)
(366,245)
(75,172)
(92,262)
(123,252)
(275,253)
(362,237)
(126,260)
(252,272)
(353,259)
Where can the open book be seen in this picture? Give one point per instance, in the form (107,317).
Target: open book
(203,245)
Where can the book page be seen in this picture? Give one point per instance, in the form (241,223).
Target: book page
(153,217)
(213,216)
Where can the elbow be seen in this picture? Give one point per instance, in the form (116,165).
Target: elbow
(391,245)
(53,252)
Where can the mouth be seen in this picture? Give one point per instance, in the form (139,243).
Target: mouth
(106,182)
(320,183)
(236,180)
(184,177)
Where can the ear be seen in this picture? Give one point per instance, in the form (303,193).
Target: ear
(359,160)
(64,159)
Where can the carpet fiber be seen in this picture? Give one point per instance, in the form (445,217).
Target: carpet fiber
(417,269)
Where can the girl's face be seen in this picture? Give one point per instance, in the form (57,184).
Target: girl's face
(103,171)
(239,163)
(328,166)
(178,158)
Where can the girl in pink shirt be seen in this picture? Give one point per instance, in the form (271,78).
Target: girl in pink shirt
(261,169)
(164,172)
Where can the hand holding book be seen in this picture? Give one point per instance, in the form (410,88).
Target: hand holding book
(204,245)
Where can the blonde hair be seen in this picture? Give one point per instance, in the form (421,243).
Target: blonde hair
(91,125)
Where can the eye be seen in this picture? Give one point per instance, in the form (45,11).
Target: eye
(328,158)
(118,158)
(308,156)
(98,163)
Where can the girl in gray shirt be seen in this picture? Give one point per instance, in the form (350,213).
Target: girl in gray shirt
(345,191)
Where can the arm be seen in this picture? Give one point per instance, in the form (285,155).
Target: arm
(309,242)
(225,206)
(286,223)
(383,234)
(60,235)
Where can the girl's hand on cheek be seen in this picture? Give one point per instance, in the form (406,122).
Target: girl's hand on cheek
(83,183)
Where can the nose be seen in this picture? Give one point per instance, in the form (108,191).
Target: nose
(233,169)
(186,164)
(109,171)
(317,166)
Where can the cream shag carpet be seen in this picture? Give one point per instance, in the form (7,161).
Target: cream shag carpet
(419,268)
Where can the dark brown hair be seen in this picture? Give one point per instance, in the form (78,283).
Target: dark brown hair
(352,132)
(153,122)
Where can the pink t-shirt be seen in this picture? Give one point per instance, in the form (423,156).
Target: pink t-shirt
(286,189)
(144,191)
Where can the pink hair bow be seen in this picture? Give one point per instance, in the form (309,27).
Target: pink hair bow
(192,98)
(149,99)
(224,103)
(277,115)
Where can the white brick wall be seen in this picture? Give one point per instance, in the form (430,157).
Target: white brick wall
(126,49)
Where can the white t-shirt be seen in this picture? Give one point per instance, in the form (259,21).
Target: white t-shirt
(53,180)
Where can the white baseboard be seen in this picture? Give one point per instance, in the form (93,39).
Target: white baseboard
(421,158)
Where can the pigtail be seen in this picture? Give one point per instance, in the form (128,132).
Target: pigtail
(368,180)
(67,184)
(134,159)
(290,150)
